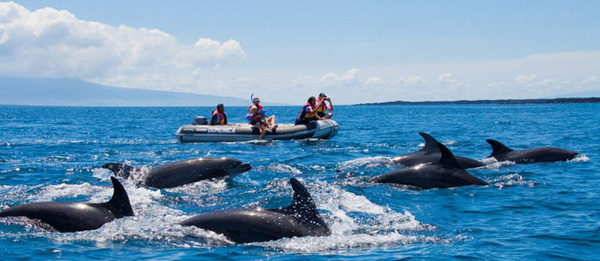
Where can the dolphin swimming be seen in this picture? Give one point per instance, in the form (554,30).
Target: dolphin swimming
(183,172)
(299,219)
(77,216)
(431,153)
(544,154)
(445,173)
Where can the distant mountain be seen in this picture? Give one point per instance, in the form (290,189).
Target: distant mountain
(76,92)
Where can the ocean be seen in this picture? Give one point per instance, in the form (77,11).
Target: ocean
(534,211)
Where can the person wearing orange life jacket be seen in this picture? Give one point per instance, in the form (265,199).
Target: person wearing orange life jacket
(218,116)
(321,110)
(309,112)
(257,118)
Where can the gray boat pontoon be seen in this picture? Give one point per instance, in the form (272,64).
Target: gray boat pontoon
(322,129)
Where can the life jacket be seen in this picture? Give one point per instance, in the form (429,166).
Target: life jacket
(221,116)
(250,115)
(323,107)
(306,115)
(259,107)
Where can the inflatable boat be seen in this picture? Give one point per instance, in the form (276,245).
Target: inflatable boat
(201,132)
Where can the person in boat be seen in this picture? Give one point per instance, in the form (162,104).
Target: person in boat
(309,112)
(321,111)
(218,116)
(258,118)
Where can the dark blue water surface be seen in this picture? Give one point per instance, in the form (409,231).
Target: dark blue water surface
(546,210)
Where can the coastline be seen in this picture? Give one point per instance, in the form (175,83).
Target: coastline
(502,101)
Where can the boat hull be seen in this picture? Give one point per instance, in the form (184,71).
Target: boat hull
(323,129)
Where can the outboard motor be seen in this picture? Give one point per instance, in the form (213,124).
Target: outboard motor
(200,120)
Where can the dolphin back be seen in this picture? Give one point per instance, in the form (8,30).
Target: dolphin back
(75,216)
(119,203)
(193,170)
(430,143)
(447,158)
(445,173)
(498,149)
(304,208)
(430,153)
(299,219)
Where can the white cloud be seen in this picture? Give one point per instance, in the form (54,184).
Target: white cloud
(592,79)
(374,81)
(350,78)
(54,43)
(446,78)
(545,82)
(412,79)
(330,78)
(524,79)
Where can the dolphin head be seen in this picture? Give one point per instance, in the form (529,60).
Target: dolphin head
(235,166)
(119,169)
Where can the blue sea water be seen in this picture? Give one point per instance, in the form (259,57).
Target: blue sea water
(536,211)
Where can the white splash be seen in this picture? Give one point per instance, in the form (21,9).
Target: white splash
(492,164)
(284,168)
(512,180)
(353,219)
(450,142)
(367,162)
(52,192)
(581,158)
(374,225)
(200,188)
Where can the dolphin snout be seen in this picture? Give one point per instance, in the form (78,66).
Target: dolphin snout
(114,167)
(245,167)
(239,168)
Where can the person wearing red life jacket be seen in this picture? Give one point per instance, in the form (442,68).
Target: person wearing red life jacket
(324,108)
(257,118)
(218,116)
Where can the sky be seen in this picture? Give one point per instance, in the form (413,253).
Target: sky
(286,51)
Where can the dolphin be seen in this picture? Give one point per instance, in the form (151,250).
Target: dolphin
(299,219)
(76,216)
(431,153)
(183,172)
(544,154)
(445,173)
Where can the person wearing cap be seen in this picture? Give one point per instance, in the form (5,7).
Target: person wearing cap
(322,101)
(218,116)
(257,117)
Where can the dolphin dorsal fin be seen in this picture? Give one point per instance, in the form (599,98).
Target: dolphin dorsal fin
(430,142)
(498,148)
(119,169)
(119,202)
(303,206)
(447,157)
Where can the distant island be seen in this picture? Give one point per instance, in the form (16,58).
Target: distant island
(77,92)
(506,101)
